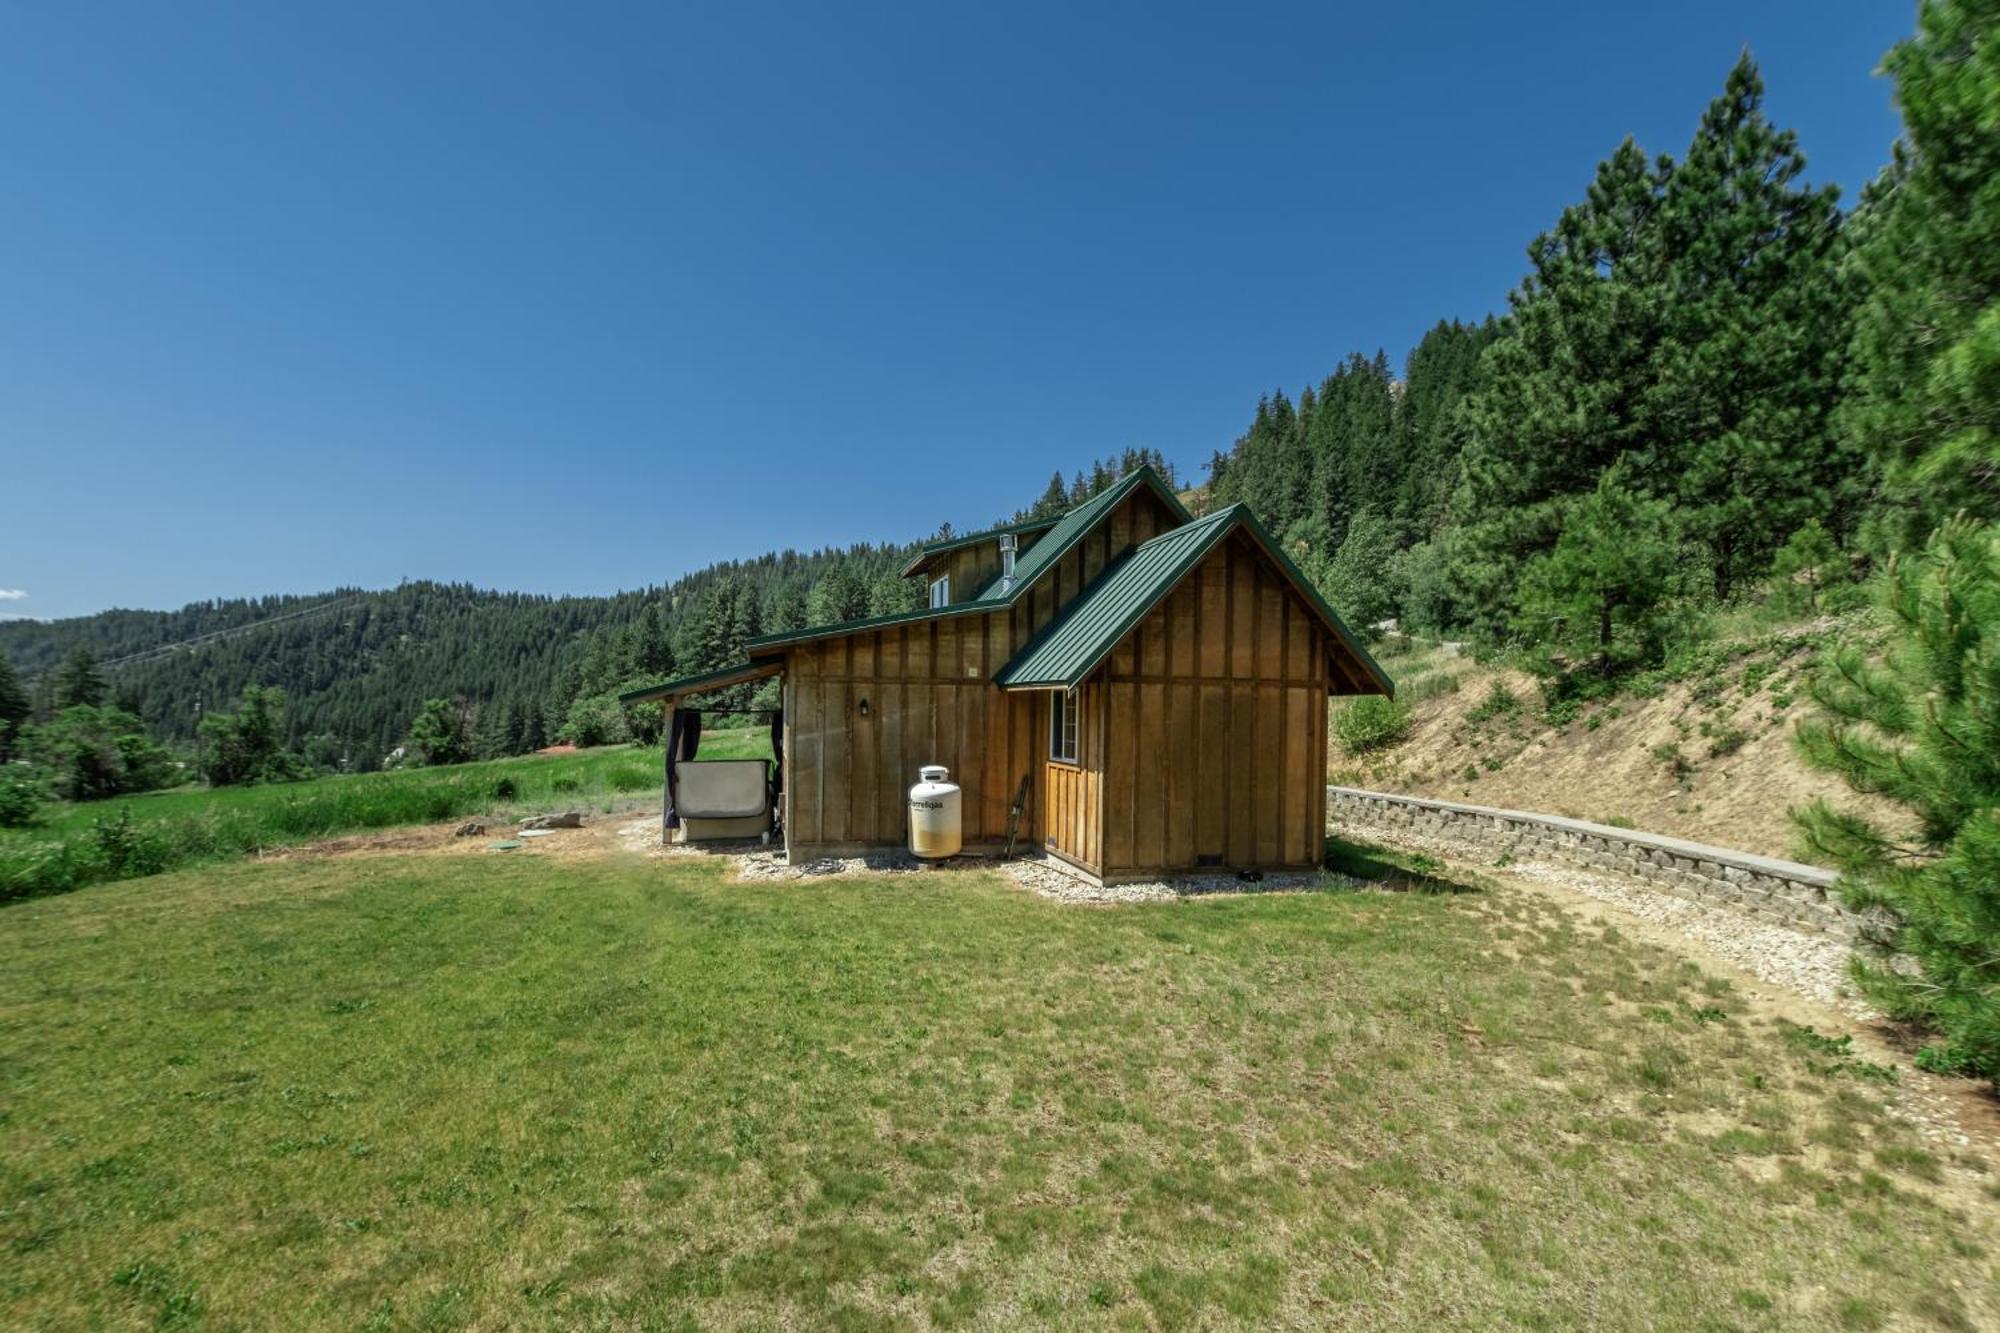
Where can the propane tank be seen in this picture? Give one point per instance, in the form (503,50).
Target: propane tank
(934,824)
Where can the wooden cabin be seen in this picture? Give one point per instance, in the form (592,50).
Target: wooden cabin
(1155,683)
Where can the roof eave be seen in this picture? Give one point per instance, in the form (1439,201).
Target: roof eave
(757,668)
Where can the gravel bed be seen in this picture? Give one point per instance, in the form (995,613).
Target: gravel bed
(1808,963)
(770,863)
(1050,880)
(1812,964)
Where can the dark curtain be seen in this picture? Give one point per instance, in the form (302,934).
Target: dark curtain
(683,739)
(777,754)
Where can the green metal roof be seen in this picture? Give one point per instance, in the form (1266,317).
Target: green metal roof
(1072,528)
(1037,560)
(1077,640)
(841,627)
(707,680)
(929,549)
(1086,632)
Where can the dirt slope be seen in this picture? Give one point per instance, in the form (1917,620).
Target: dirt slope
(1708,758)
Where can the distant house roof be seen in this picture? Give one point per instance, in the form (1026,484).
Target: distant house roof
(1037,560)
(937,548)
(1073,645)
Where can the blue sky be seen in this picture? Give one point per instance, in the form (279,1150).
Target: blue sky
(573,298)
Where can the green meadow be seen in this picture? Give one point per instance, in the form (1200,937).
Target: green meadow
(132,836)
(461,1090)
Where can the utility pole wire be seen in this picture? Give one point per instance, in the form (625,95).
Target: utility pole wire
(214,636)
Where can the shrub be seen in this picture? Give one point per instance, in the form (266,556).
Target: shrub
(1499,702)
(130,849)
(21,799)
(1668,755)
(1428,685)
(91,752)
(1725,738)
(594,720)
(1372,722)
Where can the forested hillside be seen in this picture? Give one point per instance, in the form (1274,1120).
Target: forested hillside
(518,671)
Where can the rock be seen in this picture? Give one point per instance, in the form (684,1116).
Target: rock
(567,819)
(471,828)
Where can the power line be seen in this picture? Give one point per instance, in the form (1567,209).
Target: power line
(213,636)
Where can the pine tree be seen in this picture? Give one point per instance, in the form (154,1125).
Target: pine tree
(1682,321)
(653,650)
(1922,727)
(1598,591)
(14,707)
(837,597)
(1553,412)
(90,752)
(1440,371)
(248,745)
(892,593)
(1055,499)
(1359,580)
(534,734)
(1735,416)
(1924,401)
(1807,562)
(79,681)
(440,733)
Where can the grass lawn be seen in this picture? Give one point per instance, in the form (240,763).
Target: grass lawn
(467,1090)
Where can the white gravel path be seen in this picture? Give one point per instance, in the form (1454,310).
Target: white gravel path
(770,863)
(1051,880)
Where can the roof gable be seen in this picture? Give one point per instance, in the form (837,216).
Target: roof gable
(929,550)
(1073,527)
(1079,639)
(1033,563)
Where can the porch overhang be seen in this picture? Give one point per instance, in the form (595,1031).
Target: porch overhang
(759,668)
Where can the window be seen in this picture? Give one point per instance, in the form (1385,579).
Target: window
(1062,726)
(940,592)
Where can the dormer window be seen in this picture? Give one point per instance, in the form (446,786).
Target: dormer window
(940,591)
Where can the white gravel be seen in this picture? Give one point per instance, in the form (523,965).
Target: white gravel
(1047,877)
(770,863)
(1051,880)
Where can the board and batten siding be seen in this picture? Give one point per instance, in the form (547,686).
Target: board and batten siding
(1215,721)
(1072,795)
(929,686)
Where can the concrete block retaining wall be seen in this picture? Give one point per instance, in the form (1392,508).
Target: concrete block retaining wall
(1799,896)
